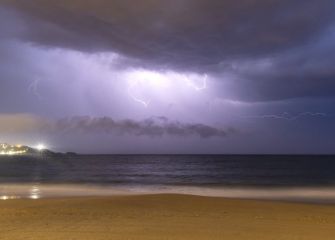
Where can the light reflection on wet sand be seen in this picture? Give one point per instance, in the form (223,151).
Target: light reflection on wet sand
(35,192)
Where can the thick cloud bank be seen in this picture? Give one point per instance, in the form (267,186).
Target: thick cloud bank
(152,127)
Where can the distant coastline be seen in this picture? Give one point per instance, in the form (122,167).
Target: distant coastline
(23,150)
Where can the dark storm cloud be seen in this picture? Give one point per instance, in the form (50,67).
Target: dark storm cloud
(152,127)
(304,72)
(192,32)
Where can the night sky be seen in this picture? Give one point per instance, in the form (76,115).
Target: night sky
(177,76)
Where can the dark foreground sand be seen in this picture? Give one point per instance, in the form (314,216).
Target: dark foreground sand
(163,217)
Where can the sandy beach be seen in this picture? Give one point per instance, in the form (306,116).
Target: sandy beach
(163,216)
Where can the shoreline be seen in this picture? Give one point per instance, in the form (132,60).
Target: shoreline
(321,195)
(163,216)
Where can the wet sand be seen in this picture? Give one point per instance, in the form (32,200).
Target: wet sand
(163,216)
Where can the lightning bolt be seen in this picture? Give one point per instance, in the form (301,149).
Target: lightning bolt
(288,117)
(195,86)
(143,81)
(144,102)
(33,88)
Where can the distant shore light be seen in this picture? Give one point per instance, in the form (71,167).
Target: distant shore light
(40,147)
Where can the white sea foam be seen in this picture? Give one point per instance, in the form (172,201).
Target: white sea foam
(38,191)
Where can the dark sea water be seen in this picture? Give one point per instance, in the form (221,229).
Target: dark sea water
(171,170)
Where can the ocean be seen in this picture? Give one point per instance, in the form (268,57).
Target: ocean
(218,175)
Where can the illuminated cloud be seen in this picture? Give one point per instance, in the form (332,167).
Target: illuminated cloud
(217,38)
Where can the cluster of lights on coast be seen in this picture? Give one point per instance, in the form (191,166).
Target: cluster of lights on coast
(7,149)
